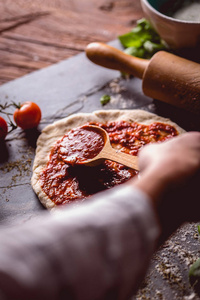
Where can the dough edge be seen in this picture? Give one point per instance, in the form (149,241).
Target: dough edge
(53,132)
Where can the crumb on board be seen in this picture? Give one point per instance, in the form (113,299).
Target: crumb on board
(167,277)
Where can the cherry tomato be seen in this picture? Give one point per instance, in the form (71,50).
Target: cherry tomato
(28,115)
(3,129)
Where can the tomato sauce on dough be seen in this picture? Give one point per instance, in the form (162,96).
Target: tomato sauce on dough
(65,183)
(79,145)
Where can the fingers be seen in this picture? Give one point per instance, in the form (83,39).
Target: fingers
(180,154)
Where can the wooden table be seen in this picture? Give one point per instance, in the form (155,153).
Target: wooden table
(36,34)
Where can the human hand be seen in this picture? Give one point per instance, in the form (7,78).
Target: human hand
(175,160)
(170,175)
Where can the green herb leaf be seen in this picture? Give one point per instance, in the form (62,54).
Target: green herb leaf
(130,40)
(142,41)
(134,51)
(105,99)
(194,276)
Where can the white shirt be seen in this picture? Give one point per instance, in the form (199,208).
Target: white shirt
(98,250)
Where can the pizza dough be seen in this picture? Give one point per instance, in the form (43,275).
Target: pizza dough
(57,130)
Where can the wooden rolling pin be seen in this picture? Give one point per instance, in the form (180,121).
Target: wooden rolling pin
(165,76)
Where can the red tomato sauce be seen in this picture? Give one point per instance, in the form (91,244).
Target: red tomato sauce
(64,183)
(79,145)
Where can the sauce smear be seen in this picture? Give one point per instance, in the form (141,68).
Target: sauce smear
(79,145)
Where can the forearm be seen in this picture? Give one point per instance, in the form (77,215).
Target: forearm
(100,250)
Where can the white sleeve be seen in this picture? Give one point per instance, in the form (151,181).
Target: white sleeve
(98,250)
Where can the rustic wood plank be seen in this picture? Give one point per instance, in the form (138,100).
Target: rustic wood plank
(34,35)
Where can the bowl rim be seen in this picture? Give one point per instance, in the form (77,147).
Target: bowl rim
(161,15)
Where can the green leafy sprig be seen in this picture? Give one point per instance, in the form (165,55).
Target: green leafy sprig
(142,41)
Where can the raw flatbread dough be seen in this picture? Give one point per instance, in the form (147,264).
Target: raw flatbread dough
(58,129)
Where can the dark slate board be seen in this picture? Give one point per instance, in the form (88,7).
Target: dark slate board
(76,85)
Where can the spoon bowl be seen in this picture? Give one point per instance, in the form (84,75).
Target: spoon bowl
(108,152)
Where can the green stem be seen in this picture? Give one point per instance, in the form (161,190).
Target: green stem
(6,113)
(3,108)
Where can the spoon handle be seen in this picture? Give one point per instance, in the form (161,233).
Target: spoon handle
(120,157)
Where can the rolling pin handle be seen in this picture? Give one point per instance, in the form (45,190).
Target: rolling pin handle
(112,58)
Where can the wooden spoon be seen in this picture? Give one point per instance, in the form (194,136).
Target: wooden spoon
(108,152)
